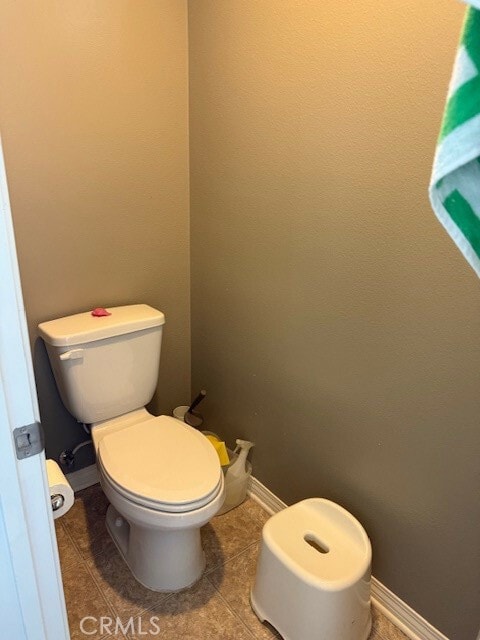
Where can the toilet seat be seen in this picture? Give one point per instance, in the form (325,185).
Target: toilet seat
(162,464)
(160,507)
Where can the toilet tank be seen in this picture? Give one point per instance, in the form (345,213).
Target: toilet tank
(105,366)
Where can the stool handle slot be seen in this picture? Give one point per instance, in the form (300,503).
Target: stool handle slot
(315,543)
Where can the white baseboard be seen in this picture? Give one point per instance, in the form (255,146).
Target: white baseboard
(404,617)
(265,498)
(83,478)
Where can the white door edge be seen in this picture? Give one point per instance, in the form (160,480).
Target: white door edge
(24,495)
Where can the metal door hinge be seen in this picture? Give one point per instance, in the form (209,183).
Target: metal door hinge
(29,440)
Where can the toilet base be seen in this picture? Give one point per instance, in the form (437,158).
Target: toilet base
(161,560)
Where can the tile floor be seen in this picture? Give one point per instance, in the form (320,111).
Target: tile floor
(98,584)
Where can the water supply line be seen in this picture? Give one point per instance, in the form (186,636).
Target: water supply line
(67,457)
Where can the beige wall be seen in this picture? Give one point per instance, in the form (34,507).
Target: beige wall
(333,321)
(93,113)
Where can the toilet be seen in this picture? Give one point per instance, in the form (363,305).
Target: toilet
(162,477)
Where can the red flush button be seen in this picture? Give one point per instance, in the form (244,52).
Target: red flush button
(99,312)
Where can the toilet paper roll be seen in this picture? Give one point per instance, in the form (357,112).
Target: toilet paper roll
(59,486)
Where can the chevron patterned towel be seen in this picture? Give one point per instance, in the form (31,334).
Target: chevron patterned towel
(455,183)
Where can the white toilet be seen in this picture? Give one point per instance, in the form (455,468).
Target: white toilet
(162,477)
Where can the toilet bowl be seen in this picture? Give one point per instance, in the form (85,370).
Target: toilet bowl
(162,477)
(163,482)
(162,550)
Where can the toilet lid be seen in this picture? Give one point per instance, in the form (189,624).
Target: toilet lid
(162,461)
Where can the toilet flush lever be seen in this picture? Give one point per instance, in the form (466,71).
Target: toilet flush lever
(73,354)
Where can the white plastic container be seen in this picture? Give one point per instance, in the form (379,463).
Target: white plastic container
(237,474)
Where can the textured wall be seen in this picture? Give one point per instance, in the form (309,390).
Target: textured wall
(93,112)
(333,321)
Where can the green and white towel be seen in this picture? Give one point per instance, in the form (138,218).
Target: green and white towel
(455,183)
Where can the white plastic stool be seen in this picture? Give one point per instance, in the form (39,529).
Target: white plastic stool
(313,573)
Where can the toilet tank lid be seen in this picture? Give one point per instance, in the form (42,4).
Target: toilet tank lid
(83,327)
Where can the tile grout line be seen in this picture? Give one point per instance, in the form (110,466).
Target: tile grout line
(72,540)
(205,574)
(222,564)
(84,564)
(110,606)
(237,615)
(77,547)
(113,610)
(232,611)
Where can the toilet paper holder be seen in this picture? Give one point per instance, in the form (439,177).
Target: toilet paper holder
(57,501)
(61,493)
